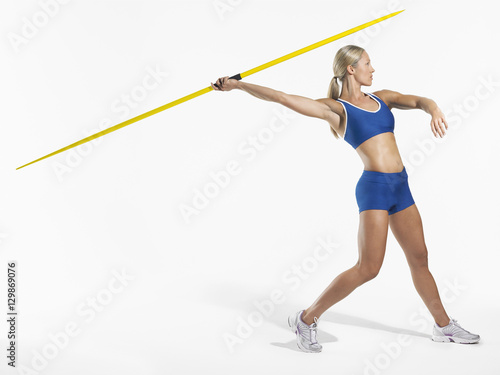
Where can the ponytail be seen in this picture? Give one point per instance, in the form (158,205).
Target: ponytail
(347,55)
(333,93)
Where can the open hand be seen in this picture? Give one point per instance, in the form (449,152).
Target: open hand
(438,123)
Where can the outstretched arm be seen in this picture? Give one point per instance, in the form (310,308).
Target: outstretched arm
(303,105)
(401,101)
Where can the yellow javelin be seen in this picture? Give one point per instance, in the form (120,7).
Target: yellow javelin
(209,88)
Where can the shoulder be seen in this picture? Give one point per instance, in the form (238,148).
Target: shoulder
(389,97)
(333,104)
(335,114)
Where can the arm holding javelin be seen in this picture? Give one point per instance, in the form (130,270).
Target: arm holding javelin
(303,105)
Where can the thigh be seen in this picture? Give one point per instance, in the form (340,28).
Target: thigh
(372,239)
(406,225)
(371,195)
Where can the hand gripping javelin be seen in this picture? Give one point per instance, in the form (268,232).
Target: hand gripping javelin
(209,88)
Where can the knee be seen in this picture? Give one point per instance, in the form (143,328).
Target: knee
(368,272)
(419,259)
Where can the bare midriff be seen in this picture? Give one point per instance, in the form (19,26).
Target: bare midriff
(380,153)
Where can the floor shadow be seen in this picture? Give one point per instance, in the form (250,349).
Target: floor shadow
(352,320)
(233,297)
(325,337)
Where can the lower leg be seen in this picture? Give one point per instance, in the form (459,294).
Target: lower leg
(338,289)
(427,289)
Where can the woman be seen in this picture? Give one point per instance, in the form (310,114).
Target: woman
(383,196)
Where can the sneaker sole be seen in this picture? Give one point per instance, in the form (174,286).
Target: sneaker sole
(456,340)
(293,328)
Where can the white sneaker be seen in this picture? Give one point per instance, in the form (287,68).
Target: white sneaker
(306,334)
(453,332)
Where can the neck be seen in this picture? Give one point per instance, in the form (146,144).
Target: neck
(351,89)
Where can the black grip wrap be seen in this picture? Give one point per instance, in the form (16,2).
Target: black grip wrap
(237,77)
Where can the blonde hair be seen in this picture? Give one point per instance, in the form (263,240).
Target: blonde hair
(347,55)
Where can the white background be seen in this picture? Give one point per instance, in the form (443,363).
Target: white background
(74,220)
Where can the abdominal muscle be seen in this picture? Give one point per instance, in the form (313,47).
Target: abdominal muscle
(380,153)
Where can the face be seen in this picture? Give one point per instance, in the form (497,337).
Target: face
(363,72)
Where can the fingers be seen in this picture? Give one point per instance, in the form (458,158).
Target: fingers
(219,84)
(438,126)
(433,129)
(445,123)
(215,85)
(442,126)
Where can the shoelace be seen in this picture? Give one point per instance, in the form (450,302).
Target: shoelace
(454,322)
(312,331)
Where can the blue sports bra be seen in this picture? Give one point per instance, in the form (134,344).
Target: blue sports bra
(362,124)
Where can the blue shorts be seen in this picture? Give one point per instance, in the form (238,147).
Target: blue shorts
(383,191)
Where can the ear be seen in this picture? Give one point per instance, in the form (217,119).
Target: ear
(350,69)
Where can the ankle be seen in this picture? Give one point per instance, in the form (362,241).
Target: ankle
(443,323)
(307,317)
